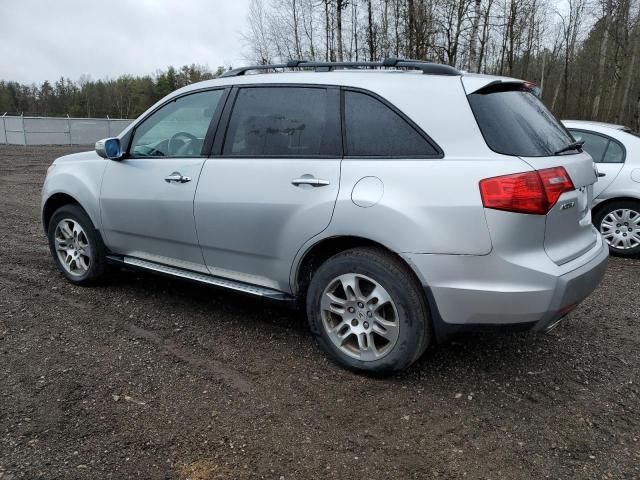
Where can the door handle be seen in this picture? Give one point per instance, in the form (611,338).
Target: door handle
(601,174)
(177,177)
(309,180)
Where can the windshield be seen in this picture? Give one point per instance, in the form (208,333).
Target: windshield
(515,122)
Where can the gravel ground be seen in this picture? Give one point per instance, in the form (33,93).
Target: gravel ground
(150,377)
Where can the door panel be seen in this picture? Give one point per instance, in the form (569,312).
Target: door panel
(610,172)
(147,217)
(147,199)
(252,219)
(273,184)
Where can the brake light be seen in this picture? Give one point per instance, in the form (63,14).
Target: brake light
(532,88)
(529,192)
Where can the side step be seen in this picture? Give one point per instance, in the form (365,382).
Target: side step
(203,278)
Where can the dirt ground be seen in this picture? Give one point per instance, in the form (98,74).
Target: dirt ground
(148,377)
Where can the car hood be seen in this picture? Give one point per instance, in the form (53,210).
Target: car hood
(79,157)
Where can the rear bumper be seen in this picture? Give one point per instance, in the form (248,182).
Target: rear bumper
(468,292)
(573,287)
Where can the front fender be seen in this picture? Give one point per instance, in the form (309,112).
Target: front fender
(79,180)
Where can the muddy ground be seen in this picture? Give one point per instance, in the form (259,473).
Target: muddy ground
(148,377)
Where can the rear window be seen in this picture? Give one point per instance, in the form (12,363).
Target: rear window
(514,121)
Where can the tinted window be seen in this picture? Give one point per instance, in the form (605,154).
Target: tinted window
(515,122)
(283,122)
(614,153)
(178,128)
(594,145)
(373,129)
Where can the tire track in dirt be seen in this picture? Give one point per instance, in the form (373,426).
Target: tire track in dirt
(215,369)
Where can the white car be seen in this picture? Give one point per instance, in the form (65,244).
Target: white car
(616,204)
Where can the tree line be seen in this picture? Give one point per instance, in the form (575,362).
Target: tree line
(125,97)
(582,53)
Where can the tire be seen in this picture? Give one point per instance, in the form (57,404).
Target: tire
(86,249)
(375,337)
(612,219)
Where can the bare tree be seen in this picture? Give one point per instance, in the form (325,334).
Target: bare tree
(340,6)
(635,41)
(602,60)
(257,36)
(473,42)
(371,35)
(485,33)
(571,23)
(584,53)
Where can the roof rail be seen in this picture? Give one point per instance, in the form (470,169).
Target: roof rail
(427,68)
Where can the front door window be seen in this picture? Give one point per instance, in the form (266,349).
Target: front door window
(177,129)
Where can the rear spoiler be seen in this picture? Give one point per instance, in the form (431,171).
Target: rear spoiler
(488,84)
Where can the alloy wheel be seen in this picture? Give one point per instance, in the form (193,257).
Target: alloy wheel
(72,247)
(360,317)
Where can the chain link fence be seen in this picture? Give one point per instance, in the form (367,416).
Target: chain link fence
(58,130)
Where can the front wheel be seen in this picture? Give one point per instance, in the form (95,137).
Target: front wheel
(619,224)
(367,311)
(76,246)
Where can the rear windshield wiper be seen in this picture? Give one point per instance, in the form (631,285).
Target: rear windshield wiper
(572,146)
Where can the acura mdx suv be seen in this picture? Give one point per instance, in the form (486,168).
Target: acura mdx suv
(398,202)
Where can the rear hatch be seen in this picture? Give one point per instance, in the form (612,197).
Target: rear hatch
(568,232)
(515,122)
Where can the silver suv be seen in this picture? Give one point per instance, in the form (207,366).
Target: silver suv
(399,202)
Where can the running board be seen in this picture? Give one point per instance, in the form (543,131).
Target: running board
(203,278)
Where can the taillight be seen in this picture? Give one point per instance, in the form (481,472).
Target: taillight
(529,192)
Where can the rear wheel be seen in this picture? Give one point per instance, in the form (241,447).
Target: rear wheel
(76,246)
(367,311)
(619,224)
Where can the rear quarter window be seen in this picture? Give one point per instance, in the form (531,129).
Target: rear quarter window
(515,122)
(373,129)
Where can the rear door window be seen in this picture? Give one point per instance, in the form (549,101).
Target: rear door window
(614,153)
(373,129)
(283,122)
(515,122)
(595,145)
(601,148)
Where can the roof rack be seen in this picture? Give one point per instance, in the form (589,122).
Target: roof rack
(427,68)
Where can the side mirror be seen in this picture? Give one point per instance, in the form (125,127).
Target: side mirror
(109,148)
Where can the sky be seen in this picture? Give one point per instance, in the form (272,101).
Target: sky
(44,40)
